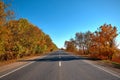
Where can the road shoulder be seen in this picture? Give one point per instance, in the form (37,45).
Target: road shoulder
(16,64)
(103,65)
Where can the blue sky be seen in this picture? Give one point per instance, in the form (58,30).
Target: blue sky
(61,19)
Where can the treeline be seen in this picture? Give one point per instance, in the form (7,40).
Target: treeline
(19,38)
(99,44)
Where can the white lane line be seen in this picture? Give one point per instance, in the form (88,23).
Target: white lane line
(102,69)
(60,64)
(60,61)
(16,70)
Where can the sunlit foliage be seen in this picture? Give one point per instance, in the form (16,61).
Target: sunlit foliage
(99,44)
(20,38)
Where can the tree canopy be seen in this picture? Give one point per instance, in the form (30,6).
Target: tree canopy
(99,44)
(20,38)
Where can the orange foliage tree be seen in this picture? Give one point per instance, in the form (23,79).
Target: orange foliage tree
(104,41)
(20,38)
(70,46)
(99,44)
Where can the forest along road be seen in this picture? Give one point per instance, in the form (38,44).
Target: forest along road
(59,65)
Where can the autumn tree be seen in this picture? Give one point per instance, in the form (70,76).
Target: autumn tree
(19,38)
(2,13)
(70,45)
(83,41)
(99,44)
(87,41)
(105,40)
(5,13)
(79,40)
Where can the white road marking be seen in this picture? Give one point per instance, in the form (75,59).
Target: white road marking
(102,69)
(60,64)
(60,61)
(16,70)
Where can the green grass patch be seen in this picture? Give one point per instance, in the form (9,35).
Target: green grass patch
(114,64)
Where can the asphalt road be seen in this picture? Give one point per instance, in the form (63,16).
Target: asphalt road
(58,66)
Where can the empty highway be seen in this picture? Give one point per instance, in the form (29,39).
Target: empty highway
(58,65)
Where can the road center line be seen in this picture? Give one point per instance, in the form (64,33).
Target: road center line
(60,64)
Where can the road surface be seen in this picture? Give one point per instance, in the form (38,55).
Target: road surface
(58,65)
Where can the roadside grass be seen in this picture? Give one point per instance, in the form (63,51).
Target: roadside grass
(116,65)
(2,63)
(107,62)
(112,63)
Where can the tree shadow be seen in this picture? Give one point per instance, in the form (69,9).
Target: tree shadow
(58,53)
(56,57)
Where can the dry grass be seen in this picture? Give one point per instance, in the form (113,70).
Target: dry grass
(2,63)
(112,63)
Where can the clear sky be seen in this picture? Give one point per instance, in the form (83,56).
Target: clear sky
(61,19)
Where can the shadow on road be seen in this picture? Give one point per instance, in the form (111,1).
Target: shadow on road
(57,57)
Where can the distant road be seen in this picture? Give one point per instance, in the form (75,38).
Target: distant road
(58,66)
